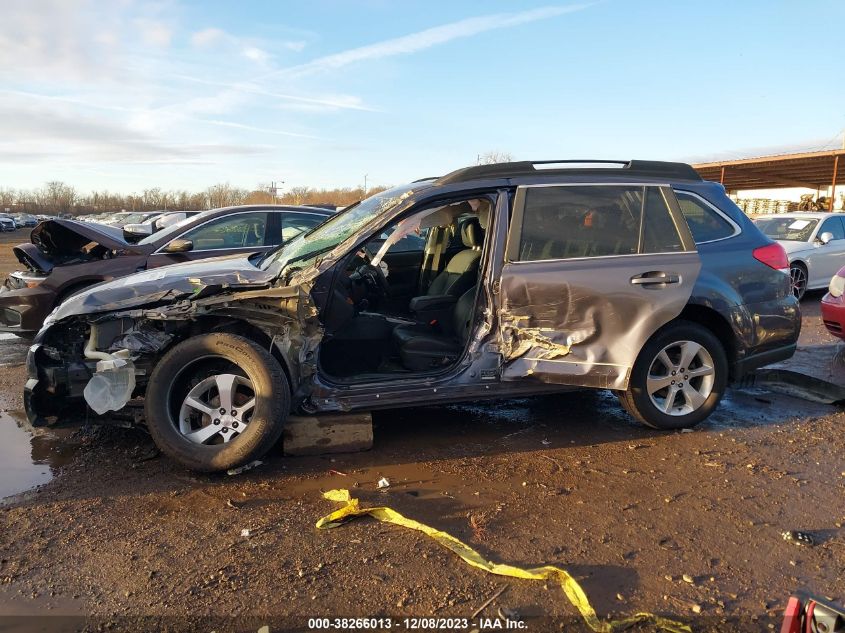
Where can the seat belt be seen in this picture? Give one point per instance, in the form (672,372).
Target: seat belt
(431,262)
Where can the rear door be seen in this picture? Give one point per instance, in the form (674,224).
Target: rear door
(591,272)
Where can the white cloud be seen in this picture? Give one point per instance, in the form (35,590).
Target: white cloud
(430,37)
(51,133)
(154,33)
(321,102)
(297,46)
(218,38)
(208,37)
(54,40)
(256,54)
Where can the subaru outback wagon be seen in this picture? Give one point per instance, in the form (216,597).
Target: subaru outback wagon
(492,281)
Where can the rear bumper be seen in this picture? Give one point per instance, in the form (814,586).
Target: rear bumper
(833,315)
(756,361)
(767,333)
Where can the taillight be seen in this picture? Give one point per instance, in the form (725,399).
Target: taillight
(773,256)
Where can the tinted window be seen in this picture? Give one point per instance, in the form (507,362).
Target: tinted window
(833,225)
(294,224)
(659,232)
(235,231)
(595,221)
(705,223)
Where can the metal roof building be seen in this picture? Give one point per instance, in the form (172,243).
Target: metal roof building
(813,170)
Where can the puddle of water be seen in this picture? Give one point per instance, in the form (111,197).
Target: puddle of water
(28,457)
(12,349)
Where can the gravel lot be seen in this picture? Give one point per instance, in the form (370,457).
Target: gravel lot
(682,524)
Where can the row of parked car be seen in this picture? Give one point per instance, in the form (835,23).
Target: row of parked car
(491,281)
(11,223)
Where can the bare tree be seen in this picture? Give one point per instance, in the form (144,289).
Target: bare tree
(494,156)
(57,196)
(224,195)
(8,197)
(297,195)
(259,196)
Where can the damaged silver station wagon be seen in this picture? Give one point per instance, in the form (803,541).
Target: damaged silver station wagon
(492,281)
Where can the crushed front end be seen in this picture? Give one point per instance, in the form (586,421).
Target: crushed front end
(69,353)
(66,356)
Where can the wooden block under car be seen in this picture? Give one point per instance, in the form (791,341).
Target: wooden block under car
(339,433)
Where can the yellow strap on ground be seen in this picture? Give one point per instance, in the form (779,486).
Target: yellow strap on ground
(569,585)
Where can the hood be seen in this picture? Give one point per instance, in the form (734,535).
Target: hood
(65,242)
(30,256)
(165,284)
(793,248)
(67,238)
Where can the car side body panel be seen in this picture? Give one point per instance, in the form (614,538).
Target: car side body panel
(285,312)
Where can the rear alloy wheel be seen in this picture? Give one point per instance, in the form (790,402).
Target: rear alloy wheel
(798,277)
(216,401)
(678,379)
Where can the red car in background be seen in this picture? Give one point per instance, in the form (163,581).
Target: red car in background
(833,305)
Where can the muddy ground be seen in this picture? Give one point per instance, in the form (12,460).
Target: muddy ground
(686,525)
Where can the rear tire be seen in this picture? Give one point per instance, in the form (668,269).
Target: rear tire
(192,381)
(661,399)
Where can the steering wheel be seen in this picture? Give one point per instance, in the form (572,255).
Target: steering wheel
(372,277)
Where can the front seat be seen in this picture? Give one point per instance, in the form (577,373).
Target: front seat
(461,273)
(422,347)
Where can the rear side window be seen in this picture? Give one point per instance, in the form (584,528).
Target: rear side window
(294,223)
(568,222)
(705,223)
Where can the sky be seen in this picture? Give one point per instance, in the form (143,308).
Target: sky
(123,95)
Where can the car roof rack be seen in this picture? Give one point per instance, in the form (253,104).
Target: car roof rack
(639,168)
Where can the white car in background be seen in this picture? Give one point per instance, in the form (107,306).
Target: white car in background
(7,224)
(814,243)
(137,231)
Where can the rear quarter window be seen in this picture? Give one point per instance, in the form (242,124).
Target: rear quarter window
(705,223)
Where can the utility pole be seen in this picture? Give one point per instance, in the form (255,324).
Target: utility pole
(365,184)
(274,190)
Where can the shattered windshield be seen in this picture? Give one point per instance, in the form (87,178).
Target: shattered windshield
(336,230)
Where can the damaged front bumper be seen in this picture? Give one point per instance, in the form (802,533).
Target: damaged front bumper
(67,372)
(53,389)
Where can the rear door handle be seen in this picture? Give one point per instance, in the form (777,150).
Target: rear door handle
(655,277)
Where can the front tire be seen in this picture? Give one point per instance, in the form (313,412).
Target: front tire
(216,401)
(798,276)
(678,378)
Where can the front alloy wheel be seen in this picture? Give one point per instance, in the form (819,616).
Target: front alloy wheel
(217,409)
(216,401)
(798,277)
